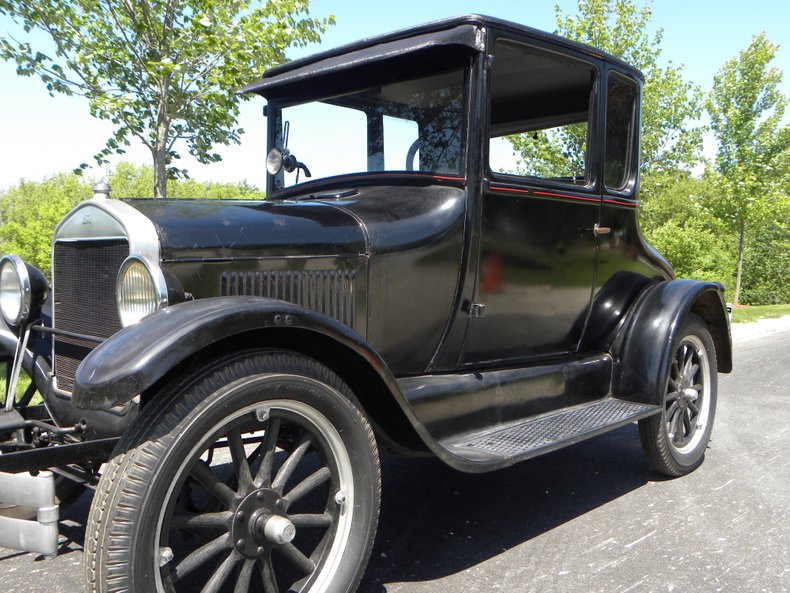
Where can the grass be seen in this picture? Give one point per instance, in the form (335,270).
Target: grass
(752,314)
(21,386)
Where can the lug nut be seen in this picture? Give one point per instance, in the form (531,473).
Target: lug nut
(165,556)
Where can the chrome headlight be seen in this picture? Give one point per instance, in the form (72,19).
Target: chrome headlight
(22,289)
(274,161)
(141,289)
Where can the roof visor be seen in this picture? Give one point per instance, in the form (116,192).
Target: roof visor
(338,61)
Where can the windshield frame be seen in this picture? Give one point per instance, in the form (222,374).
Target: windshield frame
(429,65)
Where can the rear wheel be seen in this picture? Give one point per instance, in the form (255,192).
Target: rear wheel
(260,474)
(675,441)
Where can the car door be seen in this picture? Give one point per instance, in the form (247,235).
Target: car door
(539,210)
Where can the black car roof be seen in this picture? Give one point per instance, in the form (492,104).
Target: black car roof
(432,31)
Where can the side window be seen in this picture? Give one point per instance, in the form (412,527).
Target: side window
(621,101)
(540,114)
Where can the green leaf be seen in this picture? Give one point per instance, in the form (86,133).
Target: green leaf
(164,72)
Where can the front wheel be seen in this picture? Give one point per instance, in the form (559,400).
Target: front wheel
(260,474)
(675,440)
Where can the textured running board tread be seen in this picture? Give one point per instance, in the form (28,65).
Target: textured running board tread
(546,433)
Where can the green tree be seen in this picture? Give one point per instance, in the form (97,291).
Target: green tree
(676,222)
(133,181)
(30,211)
(669,102)
(766,263)
(162,71)
(746,110)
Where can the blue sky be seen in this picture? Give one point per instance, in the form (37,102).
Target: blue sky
(42,135)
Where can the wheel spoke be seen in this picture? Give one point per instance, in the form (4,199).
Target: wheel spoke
(288,467)
(311,520)
(311,482)
(674,369)
(264,476)
(203,474)
(688,361)
(299,560)
(245,576)
(201,521)
(697,387)
(199,556)
(693,407)
(678,425)
(239,456)
(671,411)
(267,574)
(221,574)
(692,372)
(672,420)
(687,423)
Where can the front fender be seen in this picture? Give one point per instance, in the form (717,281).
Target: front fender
(644,346)
(135,358)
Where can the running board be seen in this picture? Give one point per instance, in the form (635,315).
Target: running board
(501,446)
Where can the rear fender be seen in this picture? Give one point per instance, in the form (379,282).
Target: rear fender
(643,348)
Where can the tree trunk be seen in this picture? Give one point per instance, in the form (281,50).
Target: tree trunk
(159,149)
(160,174)
(737,296)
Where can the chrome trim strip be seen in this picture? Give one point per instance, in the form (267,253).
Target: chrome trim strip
(110,219)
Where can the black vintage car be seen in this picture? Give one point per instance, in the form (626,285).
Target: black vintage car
(408,286)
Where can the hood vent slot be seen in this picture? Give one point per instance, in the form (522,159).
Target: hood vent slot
(330,292)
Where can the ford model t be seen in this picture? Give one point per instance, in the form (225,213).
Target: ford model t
(225,374)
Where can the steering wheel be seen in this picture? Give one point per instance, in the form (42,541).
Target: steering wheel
(411,153)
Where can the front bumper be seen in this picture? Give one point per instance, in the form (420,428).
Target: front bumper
(28,491)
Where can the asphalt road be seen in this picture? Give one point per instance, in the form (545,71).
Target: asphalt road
(591,518)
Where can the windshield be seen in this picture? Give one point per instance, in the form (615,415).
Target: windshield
(413,125)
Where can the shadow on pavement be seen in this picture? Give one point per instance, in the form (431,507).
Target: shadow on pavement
(436,521)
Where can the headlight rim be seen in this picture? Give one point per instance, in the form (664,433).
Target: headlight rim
(158,282)
(274,161)
(25,286)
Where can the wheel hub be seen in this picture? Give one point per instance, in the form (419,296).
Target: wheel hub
(690,395)
(260,523)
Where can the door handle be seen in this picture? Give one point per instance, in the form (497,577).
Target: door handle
(601,230)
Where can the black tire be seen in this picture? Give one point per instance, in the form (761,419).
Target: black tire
(675,440)
(260,473)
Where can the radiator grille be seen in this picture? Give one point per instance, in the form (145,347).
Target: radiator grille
(330,292)
(84,274)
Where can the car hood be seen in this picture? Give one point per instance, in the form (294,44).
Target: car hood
(230,229)
(363,221)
